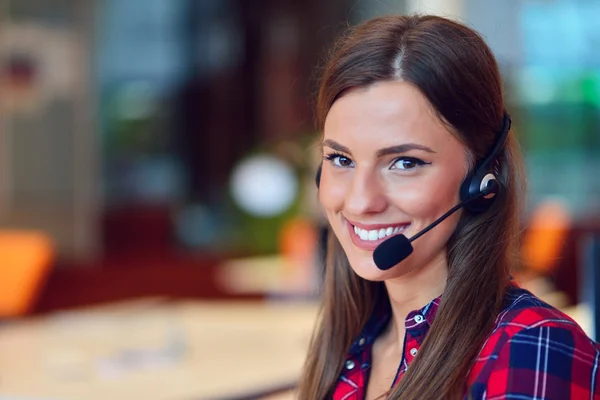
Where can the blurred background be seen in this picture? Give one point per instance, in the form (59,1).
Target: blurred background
(159,231)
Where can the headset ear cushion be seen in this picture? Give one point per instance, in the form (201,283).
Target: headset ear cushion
(318,176)
(482,176)
(490,184)
(475,184)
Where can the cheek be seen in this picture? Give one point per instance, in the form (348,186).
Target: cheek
(332,194)
(428,198)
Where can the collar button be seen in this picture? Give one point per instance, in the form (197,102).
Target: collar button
(349,364)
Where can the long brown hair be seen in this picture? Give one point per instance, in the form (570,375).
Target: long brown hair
(458,74)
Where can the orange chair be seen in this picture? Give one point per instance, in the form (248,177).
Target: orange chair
(545,239)
(25,260)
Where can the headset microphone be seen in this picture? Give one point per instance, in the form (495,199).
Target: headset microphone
(398,247)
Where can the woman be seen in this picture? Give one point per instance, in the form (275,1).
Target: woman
(413,125)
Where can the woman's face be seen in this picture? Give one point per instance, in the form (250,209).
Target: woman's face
(390,166)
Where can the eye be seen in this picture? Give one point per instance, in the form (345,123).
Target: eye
(408,163)
(339,160)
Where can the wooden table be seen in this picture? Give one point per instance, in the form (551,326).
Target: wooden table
(156,350)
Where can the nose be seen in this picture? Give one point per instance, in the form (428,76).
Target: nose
(366,194)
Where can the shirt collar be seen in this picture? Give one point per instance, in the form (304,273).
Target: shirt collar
(417,323)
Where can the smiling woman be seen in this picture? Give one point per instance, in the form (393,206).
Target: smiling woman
(403,174)
(416,139)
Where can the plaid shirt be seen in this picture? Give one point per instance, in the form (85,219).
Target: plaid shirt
(534,352)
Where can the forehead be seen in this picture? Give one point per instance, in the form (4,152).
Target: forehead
(385,113)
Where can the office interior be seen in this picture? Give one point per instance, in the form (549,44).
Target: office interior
(160,236)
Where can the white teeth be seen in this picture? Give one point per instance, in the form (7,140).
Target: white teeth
(377,234)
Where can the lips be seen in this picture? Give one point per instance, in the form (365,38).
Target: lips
(368,237)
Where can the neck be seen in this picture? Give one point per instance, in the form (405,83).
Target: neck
(415,290)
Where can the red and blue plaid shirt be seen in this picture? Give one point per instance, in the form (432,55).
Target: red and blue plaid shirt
(534,352)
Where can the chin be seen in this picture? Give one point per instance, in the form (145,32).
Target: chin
(366,269)
(361,262)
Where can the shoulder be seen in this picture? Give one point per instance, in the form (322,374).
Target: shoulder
(544,362)
(523,311)
(536,350)
(525,317)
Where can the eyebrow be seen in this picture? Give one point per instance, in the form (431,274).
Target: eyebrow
(401,148)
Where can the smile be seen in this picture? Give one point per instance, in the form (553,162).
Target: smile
(369,237)
(372,235)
